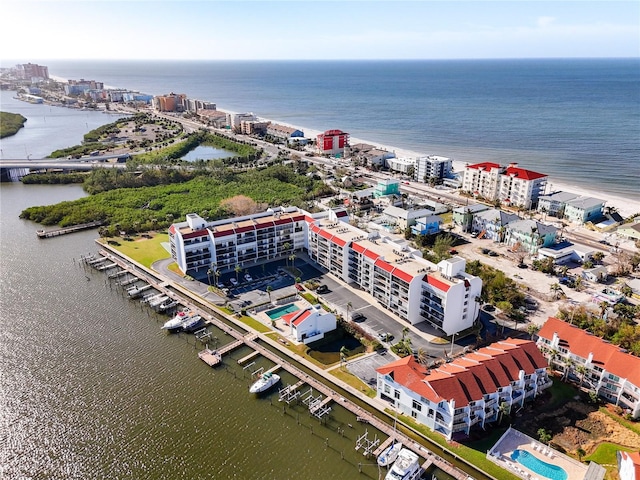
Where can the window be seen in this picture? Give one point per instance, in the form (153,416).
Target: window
(416,406)
(396,394)
(387,389)
(414,414)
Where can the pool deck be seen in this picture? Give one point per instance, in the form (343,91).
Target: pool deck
(513,440)
(278,324)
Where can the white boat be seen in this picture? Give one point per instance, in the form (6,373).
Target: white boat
(265,382)
(406,466)
(192,323)
(389,456)
(175,323)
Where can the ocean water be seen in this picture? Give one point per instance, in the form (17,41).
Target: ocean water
(577,120)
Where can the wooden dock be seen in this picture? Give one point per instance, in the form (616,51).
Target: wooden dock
(253,340)
(387,443)
(248,357)
(63,231)
(210,357)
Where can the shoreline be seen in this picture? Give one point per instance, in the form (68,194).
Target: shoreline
(626,207)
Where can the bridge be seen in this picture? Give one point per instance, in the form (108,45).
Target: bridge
(9,168)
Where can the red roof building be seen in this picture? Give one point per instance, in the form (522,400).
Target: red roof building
(332,142)
(610,371)
(467,391)
(510,184)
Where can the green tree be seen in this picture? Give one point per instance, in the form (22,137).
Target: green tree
(269,290)
(344,353)
(544,436)
(237,269)
(532,329)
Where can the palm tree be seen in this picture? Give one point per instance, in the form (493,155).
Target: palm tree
(405,331)
(578,284)
(344,352)
(349,305)
(603,308)
(532,329)
(237,269)
(581,453)
(269,290)
(582,371)
(568,368)
(209,272)
(503,409)
(422,356)
(555,289)
(217,274)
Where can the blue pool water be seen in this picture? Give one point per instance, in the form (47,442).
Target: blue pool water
(280,311)
(542,468)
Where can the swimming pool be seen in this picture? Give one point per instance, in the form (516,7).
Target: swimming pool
(541,468)
(280,311)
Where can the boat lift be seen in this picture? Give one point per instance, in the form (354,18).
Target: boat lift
(367,446)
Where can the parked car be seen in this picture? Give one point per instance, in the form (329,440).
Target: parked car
(358,317)
(234,282)
(385,336)
(248,277)
(322,289)
(474,234)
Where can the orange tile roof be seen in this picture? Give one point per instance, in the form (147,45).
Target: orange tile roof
(582,343)
(468,378)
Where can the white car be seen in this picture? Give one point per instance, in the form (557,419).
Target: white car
(234,282)
(248,277)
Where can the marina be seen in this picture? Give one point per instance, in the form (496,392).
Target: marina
(318,406)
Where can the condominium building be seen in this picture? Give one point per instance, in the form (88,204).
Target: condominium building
(224,244)
(396,275)
(584,209)
(33,71)
(332,142)
(432,167)
(170,103)
(283,132)
(470,390)
(511,185)
(602,367)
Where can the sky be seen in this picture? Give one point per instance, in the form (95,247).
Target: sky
(313,29)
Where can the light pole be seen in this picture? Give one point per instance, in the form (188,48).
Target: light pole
(453,339)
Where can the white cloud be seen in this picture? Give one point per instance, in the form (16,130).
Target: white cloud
(545,21)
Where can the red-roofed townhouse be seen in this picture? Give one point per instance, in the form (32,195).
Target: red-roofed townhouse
(310,325)
(511,184)
(332,142)
(601,366)
(468,391)
(628,465)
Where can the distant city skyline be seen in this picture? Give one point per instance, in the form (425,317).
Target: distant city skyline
(306,29)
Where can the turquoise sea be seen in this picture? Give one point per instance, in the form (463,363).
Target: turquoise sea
(577,120)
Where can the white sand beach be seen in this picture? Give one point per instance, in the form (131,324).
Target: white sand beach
(625,206)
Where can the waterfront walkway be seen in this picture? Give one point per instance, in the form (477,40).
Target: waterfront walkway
(255,341)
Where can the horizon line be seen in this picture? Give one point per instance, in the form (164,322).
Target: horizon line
(320,59)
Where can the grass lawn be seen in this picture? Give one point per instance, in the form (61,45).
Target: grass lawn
(354,381)
(605,454)
(143,250)
(255,324)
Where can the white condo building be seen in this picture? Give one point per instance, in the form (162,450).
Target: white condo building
(397,276)
(511,185)
(433,166)
(468,391)
(601,366)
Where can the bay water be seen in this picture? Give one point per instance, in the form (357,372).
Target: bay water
(577,120)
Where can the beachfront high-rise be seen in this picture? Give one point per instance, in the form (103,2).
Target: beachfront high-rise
(332,142)
(511,185)
(394,274)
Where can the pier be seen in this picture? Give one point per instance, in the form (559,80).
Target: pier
(254,341)
(63,231)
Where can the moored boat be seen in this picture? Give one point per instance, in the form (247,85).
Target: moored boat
(192,323)
(175,323)
(265,382)
(390,454)
(406,466)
